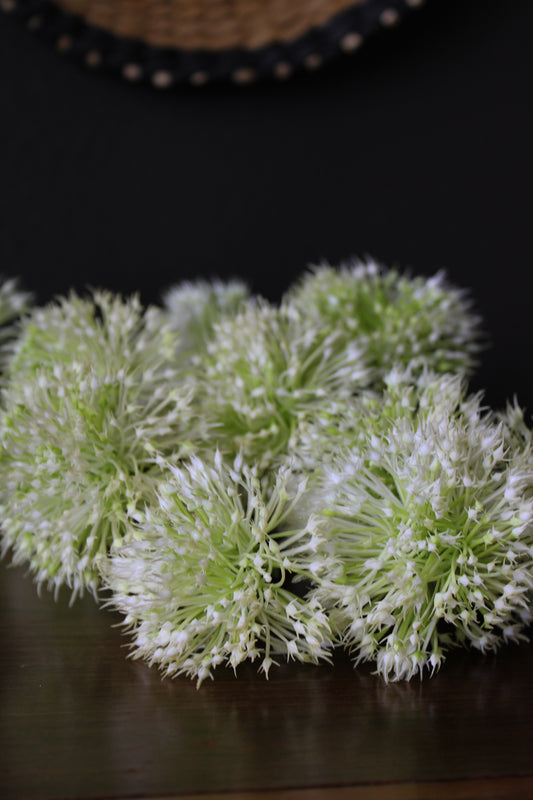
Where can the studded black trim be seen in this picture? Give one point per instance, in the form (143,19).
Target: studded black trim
(163,67)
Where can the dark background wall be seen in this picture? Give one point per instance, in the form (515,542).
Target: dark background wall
(416,150)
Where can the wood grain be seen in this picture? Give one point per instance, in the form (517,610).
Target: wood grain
(492,789)
(80,720)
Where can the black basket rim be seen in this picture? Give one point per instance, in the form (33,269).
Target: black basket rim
(138,61)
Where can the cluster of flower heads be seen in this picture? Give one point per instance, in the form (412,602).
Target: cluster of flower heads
(94,407)
(254,481)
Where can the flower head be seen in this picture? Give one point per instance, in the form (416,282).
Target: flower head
(104,331)
(13,302)
(202,581)
(403,394)
(94,404)
(416,322)
(429,515)
(267,371)
(194,307)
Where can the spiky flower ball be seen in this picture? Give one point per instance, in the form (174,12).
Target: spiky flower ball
(194,308)
(93,405)
(429,516)
(267,370)
(103,330)
(203,580)
(13,302)
(403,392)
(416,322)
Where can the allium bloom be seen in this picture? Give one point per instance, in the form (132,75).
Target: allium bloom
(420,322)
(403,393)
(93,405)
(202,581)
(429,517)
(104,331)
(13,302)
(268,370)
(194,307)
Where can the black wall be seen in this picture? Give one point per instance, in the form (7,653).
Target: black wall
(416,150)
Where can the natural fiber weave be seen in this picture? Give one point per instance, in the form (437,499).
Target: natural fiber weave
(207,24)
(167,42)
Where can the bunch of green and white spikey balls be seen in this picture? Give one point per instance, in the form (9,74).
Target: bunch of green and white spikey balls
(245,480)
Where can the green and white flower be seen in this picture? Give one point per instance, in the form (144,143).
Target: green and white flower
(258,482)
(267,371)
(195,307)
(94,405)
(416,322)
(13,303)
(104,331)
(203,580)
(428,514)
(403,393)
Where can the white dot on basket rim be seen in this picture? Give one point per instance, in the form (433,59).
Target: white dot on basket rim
(34,22)
(389,17)
(64,43)
(199,78)
(282,70)
(132,72)
(351,42)
(162,79)
(93,58)
(313,61)
(243,75)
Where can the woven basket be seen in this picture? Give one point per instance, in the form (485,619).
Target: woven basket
(168,41)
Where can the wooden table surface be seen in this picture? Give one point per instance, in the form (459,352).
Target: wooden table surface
(79,720)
